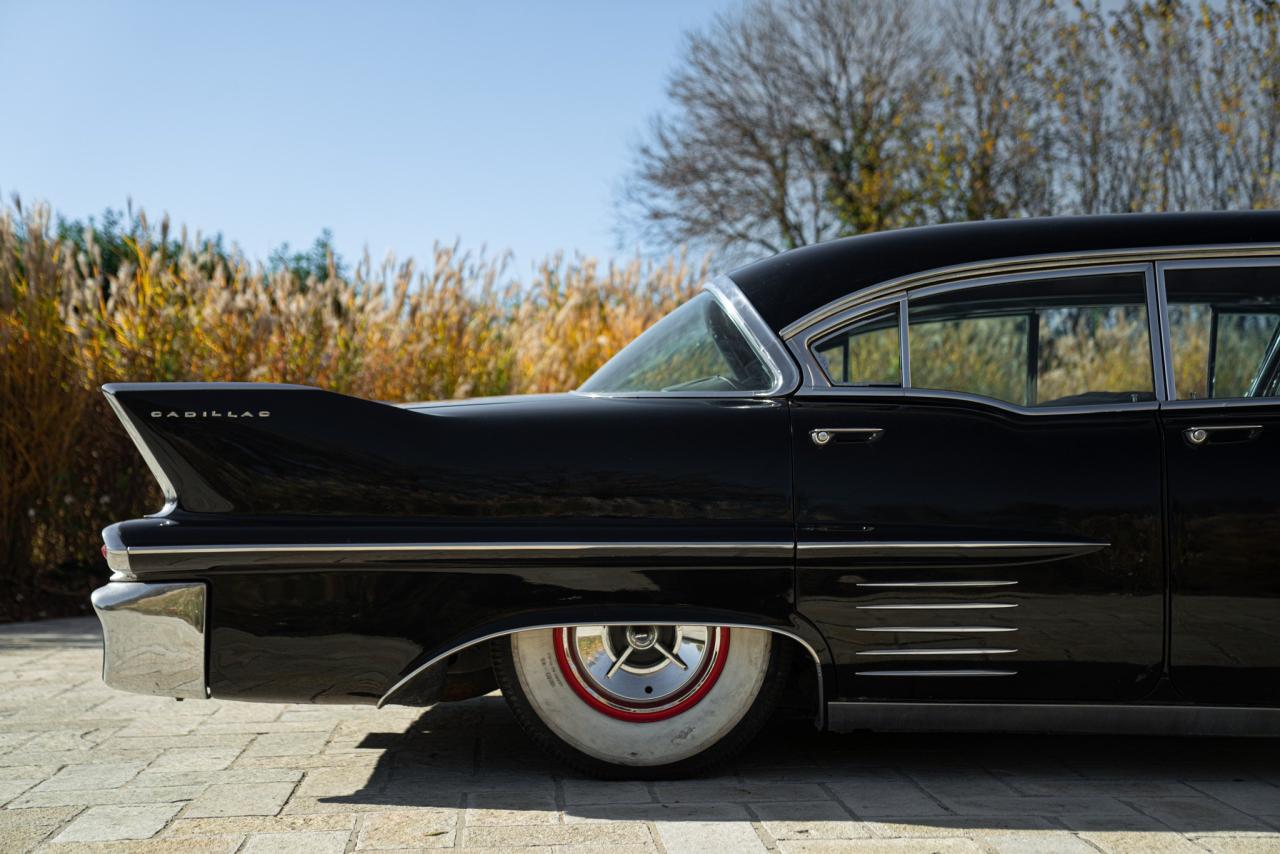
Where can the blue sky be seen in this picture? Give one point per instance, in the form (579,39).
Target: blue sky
(394,124)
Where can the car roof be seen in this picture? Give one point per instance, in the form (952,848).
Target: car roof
(790,285)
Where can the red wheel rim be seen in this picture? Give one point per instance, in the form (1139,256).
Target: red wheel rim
(699,684)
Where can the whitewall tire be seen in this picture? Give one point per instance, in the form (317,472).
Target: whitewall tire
(642,701)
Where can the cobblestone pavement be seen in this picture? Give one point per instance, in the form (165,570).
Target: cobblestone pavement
(83,767)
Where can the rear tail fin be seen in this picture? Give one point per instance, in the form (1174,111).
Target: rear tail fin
(264,449)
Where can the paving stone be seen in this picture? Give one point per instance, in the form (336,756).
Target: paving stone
(1197,815)
(193,759)
(976,827)
(1044,842)
(103,797)
(106,775)
(10,789)
(657,812)
(886,796)
(303,842)
(209,845)
(603,835)
(721,791)
(229,775)
(488,808)
(699,837)
(1110,788)
(288,743)
(1044,806)
(298,777)
(419,828)
(1248,796)
(34,773)
(605,792)
(1239,844)
(22,830)
(322,782)
(102,824)
(808,820)
(198,827)
(240,799)
(1133,842)
(881,846)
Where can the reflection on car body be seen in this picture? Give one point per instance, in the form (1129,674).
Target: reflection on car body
(1002,475)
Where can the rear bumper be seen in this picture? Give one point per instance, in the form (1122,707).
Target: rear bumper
(153,637)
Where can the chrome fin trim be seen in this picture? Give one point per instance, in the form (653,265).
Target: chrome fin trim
(166,486)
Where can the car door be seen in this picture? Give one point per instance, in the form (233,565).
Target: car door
(978,490)
(1222,438)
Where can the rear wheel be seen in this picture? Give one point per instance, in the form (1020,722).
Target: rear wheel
(641,701)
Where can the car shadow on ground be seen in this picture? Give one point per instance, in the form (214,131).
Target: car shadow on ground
(474,753)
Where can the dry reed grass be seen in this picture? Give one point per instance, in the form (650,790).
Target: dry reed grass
(391,331)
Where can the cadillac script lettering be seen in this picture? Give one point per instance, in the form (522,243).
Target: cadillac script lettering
(211,413)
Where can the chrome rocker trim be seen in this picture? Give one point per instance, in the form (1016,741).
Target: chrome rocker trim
(1114,719)
(153,638)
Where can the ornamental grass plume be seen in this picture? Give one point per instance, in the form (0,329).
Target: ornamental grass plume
(172,307)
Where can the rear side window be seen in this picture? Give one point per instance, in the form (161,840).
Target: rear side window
(1224,330)
(866,353)
(1060,341)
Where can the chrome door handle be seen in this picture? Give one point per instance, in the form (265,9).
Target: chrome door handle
(823,436)
(1197,436)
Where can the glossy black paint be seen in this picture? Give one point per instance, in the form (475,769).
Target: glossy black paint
(556,459)
(1106,612)
(788,286)
(348,636)
(1088,616)
(1224,531)
(346,627)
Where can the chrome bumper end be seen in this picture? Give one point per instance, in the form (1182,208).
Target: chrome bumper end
(153,637)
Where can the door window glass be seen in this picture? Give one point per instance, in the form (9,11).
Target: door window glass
(1072,341)
(865,353)
(1224,324)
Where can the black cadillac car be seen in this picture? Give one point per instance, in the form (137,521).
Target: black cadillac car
(1011,475)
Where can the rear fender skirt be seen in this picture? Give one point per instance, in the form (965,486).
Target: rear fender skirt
(799,631)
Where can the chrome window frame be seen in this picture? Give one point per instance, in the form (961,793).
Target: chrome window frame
(763,341)
(1021,263)
(1222,262)
(802,342)
(815,376)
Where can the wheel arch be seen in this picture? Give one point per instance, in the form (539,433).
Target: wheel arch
(797,630)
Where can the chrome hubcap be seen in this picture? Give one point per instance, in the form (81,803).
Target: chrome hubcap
(642,668)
